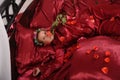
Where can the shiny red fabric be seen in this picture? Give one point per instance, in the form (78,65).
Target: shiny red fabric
(45,14)
(51,60)
(29,13)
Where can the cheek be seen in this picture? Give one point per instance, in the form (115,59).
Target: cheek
(40,38)
(48,40)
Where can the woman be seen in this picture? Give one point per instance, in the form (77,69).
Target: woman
(35,62)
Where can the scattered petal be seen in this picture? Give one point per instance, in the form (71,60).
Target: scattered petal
(62,38)
(88,52)
(112,19)
(73,22)
(107,53)
(68,22)
(107,60)
(95,48)
(96,56)
(78,46)
(104,70)
(68,54)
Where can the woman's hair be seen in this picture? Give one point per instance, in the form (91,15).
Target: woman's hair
(36,41)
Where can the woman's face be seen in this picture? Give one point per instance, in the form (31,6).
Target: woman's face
(45,36)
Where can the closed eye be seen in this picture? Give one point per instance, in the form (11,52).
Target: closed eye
(44,32)
(43,38)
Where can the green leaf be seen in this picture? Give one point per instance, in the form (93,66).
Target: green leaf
(60,15)
(64,20)
(55,23)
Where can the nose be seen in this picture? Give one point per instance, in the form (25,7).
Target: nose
(48,33)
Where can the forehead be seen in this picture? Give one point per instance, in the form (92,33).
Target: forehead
(42,34)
